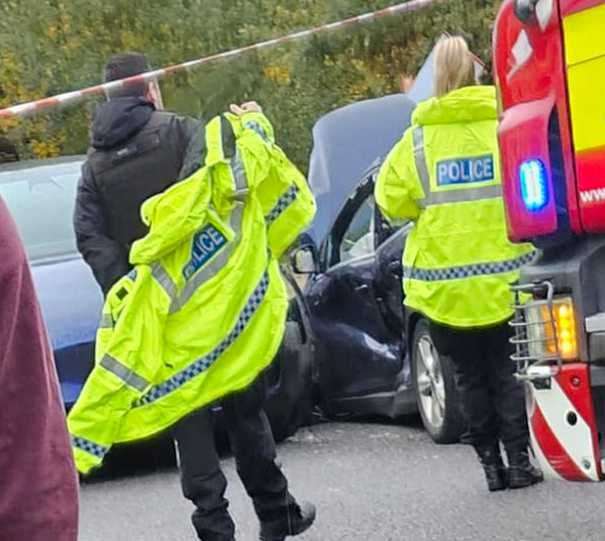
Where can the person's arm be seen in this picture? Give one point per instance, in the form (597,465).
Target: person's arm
(107,258)
(398,189)
(292,204)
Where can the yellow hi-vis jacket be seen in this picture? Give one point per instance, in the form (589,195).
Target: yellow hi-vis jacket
(204,310)
(445,175)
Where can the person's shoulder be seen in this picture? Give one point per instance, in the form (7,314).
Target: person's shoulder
(172,116)
(163,117)
(174,121)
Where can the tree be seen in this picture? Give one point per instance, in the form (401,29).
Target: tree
(51,46)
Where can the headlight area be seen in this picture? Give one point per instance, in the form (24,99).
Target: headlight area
(545,330)
(551,330)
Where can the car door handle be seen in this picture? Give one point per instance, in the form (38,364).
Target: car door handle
(363,288)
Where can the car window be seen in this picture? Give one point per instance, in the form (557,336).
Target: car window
(358,239)
(41,200)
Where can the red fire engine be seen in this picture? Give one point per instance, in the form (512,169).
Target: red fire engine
(549,62)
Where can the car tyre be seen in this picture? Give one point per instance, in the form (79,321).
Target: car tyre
(436,393)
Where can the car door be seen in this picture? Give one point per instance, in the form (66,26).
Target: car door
(357,352)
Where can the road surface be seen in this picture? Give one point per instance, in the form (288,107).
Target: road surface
(371,482)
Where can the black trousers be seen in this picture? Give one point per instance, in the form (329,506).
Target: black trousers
(253,446)
(492,399)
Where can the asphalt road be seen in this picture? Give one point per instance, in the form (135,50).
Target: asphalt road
(371,482)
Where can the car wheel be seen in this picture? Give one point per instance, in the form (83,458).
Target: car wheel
(436,392)
(290,398)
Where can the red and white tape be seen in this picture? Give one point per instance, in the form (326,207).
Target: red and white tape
(72,98)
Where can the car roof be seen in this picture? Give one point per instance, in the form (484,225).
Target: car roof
(32,164)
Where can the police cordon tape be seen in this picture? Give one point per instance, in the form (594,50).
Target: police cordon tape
(76,96)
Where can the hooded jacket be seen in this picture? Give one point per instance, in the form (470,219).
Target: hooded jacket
(445,176)
(38,483)
(136,152)
(204,310)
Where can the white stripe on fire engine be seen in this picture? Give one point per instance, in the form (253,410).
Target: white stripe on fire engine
(576,440)
(546,467)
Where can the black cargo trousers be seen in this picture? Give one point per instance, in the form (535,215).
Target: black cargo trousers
(253,446)
(492,400)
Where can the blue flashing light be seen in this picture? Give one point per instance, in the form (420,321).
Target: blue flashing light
(534,185)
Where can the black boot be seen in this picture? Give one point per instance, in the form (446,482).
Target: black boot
(521,471)
(496,474)
(297,520)
(214,526)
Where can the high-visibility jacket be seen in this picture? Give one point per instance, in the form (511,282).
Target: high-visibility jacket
(204,310)
(444,175)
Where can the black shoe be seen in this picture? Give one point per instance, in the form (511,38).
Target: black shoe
(496,474)
(298,520)
(521,471)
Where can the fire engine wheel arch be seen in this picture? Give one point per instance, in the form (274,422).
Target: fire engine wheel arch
(436,395)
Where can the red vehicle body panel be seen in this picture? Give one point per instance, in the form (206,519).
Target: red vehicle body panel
(530,92)
(573,6)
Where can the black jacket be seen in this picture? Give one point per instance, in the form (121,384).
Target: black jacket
(136,152)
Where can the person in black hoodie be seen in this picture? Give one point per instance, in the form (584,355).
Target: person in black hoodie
(138,151)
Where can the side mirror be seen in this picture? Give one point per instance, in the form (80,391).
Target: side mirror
(304,260)
(525,9)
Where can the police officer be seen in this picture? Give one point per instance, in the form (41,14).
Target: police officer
(139,151)
(458,263)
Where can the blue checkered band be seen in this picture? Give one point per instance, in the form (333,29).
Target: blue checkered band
(204,363)
(89,447)
(467,271)
(255,126)
(282,204)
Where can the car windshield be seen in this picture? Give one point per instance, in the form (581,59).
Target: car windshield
(41,199)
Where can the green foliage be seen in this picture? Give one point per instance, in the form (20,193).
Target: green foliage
(51,46)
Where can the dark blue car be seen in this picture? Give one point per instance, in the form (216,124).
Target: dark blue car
(371,357)
(41,197)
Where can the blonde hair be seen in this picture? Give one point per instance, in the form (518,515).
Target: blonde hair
(454,66)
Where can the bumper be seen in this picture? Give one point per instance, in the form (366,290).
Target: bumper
(563,425)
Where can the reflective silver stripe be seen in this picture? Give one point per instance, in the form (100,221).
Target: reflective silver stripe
(124,373)
(467,271)
(239,176)
(458,195)
(220,260)
(214,267)
(106,322)
(462,195)
(420,158)
(163,278)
